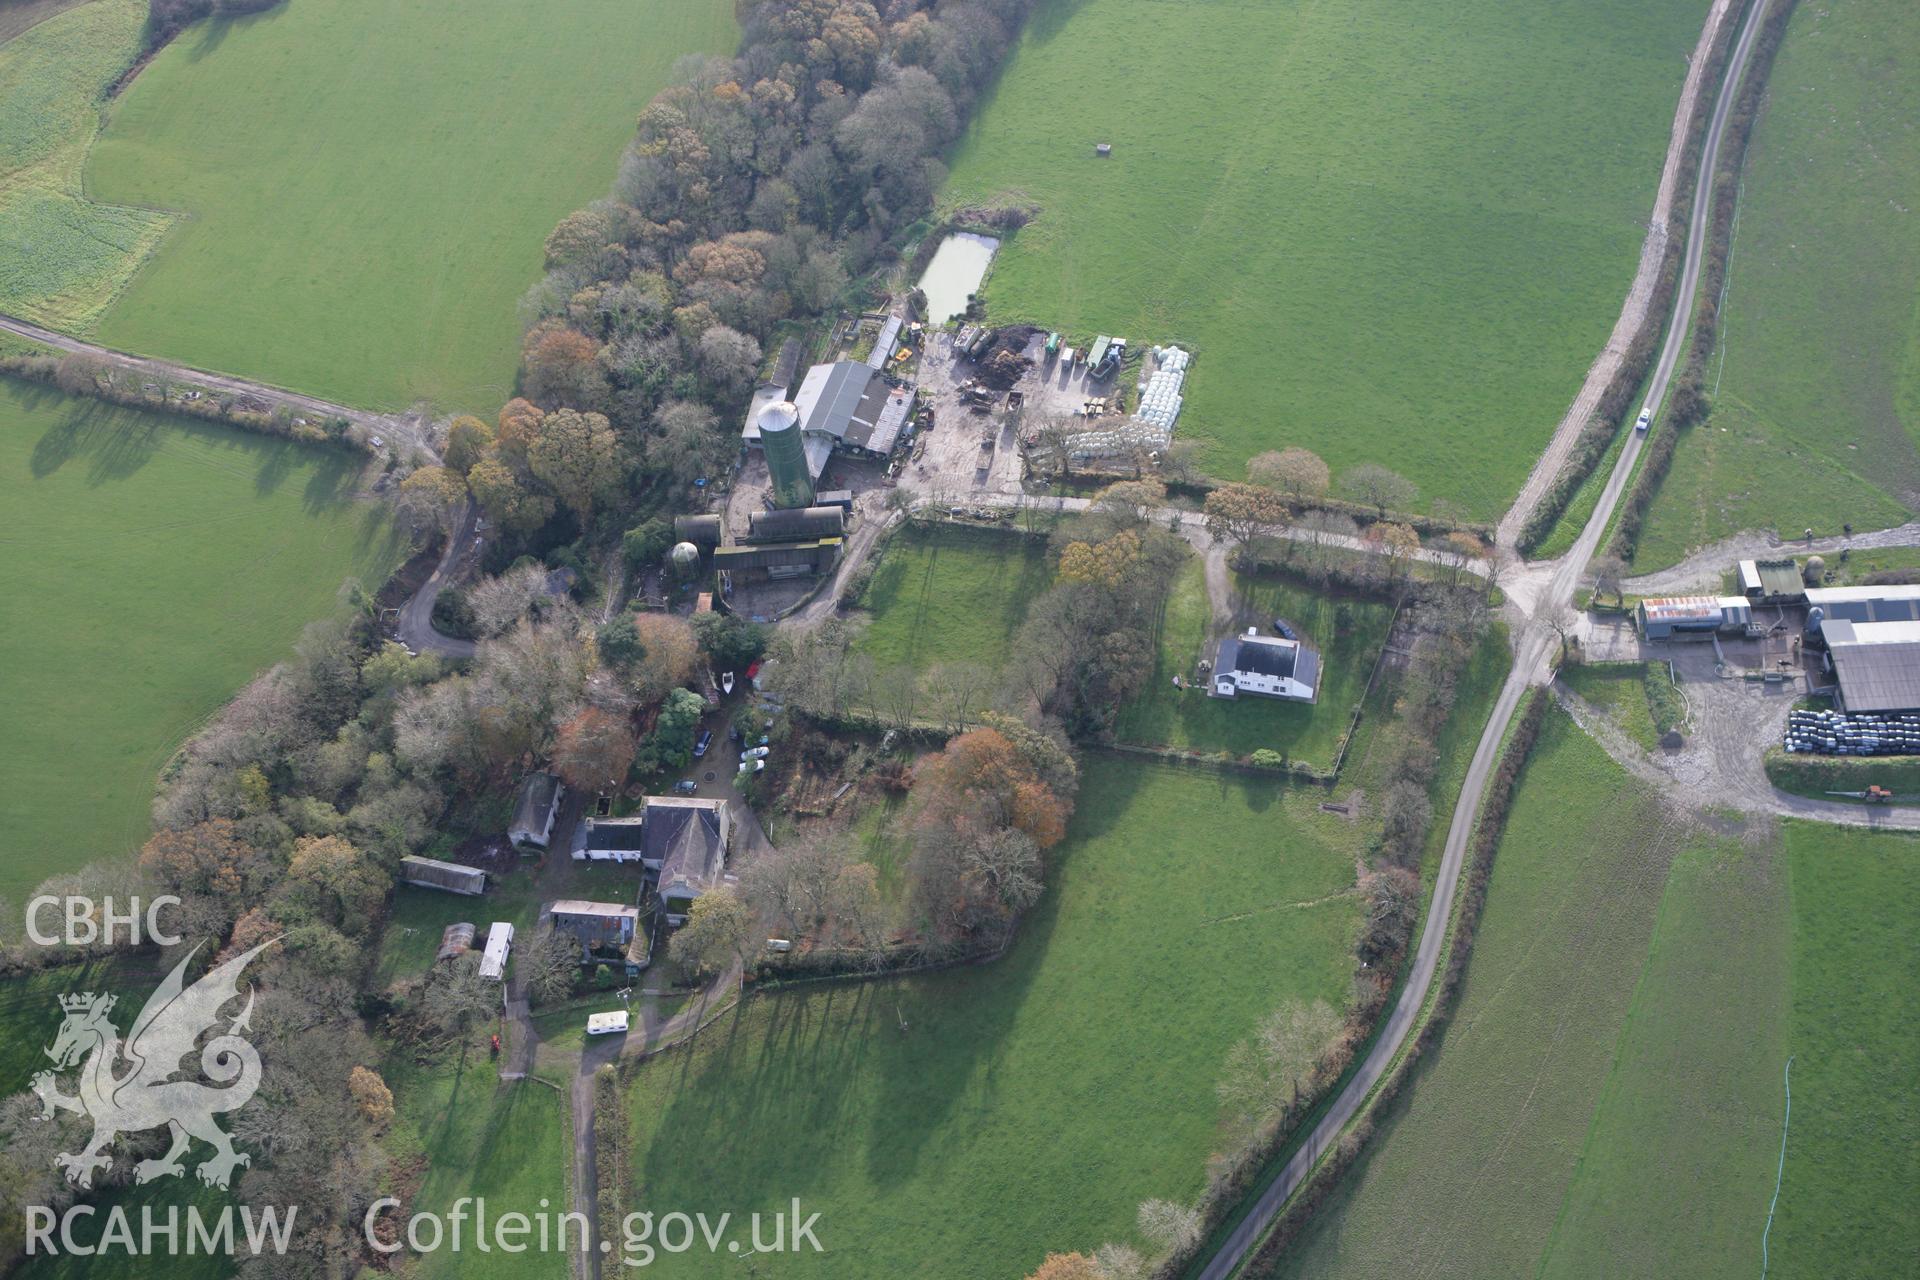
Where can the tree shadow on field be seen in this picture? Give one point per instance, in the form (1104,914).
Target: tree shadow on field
(115,444)
(1051,18)
(214,31)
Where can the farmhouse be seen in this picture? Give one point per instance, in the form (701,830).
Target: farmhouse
(535,811)
(845,406)
(431,873)
(611,840)
(1266,665)
(686,843)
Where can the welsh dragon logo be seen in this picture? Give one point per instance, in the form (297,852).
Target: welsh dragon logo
(145,1095)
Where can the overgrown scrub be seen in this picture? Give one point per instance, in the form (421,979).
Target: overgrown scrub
(1689,404)
(1617,398)
(612,1150)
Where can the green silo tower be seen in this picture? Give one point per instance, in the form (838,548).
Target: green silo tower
(786,455)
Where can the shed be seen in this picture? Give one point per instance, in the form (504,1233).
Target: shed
(451,877)
(493,961)
(534,812)
(455,939)
(1669,616)
(596,926)
(841,498)
(1771,581)
(702,531)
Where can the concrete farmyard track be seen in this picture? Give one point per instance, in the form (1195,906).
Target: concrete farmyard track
(1532,646)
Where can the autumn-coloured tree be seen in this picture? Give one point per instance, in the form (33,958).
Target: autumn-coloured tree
(507,501)
(671,651)
(207,858)
(561,366)
(716,933)
(1102,564)
(338,881)
(432,498)
(1129,504)
(371,1097)
(1068,1266)
(519,422)
(594,749)
(1400,543)
(467,441)
(1239,513)
(577,456)
(1298,474)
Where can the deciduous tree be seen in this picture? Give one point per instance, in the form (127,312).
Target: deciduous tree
(716,935)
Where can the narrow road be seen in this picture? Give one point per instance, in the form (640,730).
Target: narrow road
(395,430)
(416,629)
(1534,643)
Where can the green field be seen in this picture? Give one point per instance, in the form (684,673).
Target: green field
(1348,633)
(1853,1152)
(1613,1059)
(1183,907)
(471,1135)
(951,595)
(1393,233)
(160,564)
(63,256)
(1639,697)
(1818,409)
(368,186)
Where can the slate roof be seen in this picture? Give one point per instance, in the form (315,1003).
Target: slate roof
(622,834)
(686,839)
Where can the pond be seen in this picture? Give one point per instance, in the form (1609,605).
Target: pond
(958,267)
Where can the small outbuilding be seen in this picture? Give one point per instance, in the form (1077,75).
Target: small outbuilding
(455,940)
(611,840)
(534,812)
(449,877)
(599,927)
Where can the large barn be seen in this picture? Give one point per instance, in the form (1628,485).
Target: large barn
(1872,635)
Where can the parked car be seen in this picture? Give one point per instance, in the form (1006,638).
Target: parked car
(700,747)
(752,766)
(756,753)
(1284,631)
(685,787)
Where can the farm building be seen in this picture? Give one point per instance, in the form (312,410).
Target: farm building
(845,407)
(701,531)
(1269,666)
(455,940)
(596,926)
(686,843)
(431,873)
(1662,619)
(610,840)
(1863,604)
(779,559)
(841,498)
(1771,581)
(535,811)
(493,961)
(796,524)
(1877,663)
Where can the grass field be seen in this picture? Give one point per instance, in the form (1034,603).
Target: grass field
(167,562)
(1348,634)
(1853,1152)
(1639,696)
(1818,411)
(63,256)
(1608,1007)
(951,595)
(368,186)
(472,1135)
(1183,907)
(18,15)
(1392,233)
